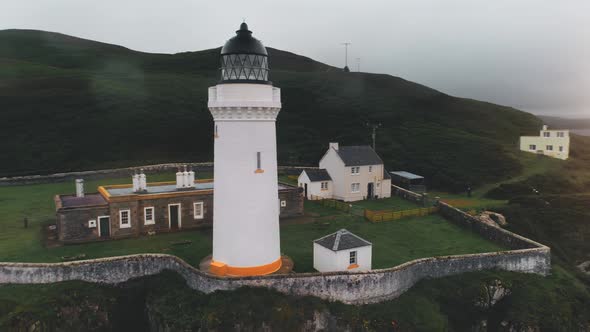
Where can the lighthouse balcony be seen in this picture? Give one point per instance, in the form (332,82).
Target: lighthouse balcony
(236,95)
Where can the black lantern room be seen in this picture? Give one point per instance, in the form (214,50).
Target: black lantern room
(244,59)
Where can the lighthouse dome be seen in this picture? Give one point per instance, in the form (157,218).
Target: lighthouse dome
(244,58)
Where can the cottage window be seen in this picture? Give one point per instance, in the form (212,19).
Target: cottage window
(124,216)
(148,213)
(198,210)
(355,187)
(561,134)
(532,147)
(560,148)
(324,185)
(355,170)
(370,169)
(546,134)
(549,147)
(352,258)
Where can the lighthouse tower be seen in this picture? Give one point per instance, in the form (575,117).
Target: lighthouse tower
(244,106)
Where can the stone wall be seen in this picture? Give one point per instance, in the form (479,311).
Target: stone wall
(352,288)
(122,172)
(406,194)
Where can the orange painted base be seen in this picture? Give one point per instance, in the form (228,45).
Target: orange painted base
(222,269)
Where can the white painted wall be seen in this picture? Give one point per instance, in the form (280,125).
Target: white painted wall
(314,188)
(326,260)
(246,207)
(541,142)
(343,178)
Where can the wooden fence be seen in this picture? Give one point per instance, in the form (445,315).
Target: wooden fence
(388,215)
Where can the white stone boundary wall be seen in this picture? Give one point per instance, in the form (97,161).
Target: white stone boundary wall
(104,173)
(406,194)
(352,288)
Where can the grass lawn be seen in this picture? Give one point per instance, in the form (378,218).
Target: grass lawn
(391,203)
(394,242)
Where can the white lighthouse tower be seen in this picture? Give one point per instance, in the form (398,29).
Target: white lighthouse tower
(245,105)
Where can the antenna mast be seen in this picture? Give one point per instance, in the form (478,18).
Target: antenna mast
(346,53)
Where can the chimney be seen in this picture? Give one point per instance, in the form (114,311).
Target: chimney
(142,181)
(333,145)
(185,183)
(191,178)
(545,127)
(179,181)
(135,181)
(79,187)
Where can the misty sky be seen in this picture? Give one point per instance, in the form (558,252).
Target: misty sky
(529,54)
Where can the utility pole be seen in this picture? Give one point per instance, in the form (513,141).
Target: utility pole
(374,127)
(358,64)
(346,54)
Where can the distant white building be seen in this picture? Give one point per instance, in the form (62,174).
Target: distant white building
(342,251)
(551,143)
(348,173)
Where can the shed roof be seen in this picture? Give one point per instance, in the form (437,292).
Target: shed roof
(359,155)
(316,175)
(342,240)
(407,175)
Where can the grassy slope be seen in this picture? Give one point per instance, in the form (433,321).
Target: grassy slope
(70,104)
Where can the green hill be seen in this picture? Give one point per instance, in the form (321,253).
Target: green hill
(69,104)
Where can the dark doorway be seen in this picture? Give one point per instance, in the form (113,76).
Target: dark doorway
(370,191)
(305,185)
(105,226)
(174,216)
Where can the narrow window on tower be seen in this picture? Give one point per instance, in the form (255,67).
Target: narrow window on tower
(258,163)
(216,132)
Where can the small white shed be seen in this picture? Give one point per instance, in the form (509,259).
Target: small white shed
(342,251)
(316,184)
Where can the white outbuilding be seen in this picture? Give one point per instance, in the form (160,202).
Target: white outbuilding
(342,251)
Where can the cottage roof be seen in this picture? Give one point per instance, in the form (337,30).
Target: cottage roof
(359,155)
(342,240)
(316,175)
(70,201)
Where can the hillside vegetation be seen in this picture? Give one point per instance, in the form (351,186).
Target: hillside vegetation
(71,104)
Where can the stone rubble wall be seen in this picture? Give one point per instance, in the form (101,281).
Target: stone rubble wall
(120,172)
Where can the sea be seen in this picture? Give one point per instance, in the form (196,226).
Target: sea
(583,132)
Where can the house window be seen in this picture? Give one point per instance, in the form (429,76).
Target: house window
(370,169)
(549,147)
(352,258)
(324,185)
(355,187)
(124,216)
(560,148)
(355,170)
(546,134)
(532,147)
(198,210)
(560,134)
(283,203)
(148,218)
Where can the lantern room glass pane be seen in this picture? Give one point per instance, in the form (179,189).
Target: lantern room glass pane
(249,67)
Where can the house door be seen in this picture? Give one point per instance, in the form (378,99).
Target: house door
(370,191)
(104,226)
(305,185)
(173,210)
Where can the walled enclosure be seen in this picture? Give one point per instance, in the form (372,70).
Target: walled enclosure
(354,288)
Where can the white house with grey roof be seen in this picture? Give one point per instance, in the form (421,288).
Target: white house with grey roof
(355,172)
(342,251)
